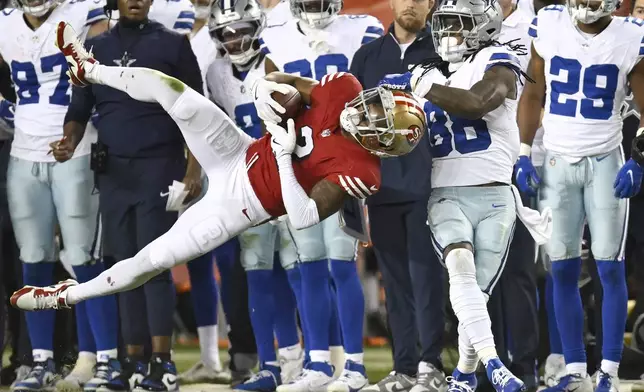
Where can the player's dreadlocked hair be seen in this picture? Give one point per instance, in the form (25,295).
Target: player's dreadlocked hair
(513,45)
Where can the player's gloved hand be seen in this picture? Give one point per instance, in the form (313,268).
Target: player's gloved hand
(396,81)
(283,141)
(629,180)
(265,104)
(526,176)
(7,110)
(420,82)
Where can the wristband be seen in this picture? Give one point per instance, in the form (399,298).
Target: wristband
(525,149)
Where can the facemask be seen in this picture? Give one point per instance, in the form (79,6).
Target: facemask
(202,11)
(585,15)
(450,50)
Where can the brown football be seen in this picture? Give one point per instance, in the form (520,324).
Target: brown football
(292,102)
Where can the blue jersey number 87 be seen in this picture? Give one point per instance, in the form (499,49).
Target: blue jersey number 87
(325,64)
(26,80)
(598,83)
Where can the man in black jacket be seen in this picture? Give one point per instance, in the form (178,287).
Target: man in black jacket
(140,152)
(412,274)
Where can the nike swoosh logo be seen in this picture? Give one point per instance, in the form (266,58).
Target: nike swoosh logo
(630,174)
(373,188)
(599,159)
(498,205)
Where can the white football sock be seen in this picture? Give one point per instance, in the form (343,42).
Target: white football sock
(142,84)
(291,353)
(104,356)
(468,301)
(610,367)
(320,356)
(124,275)
(371,293)
(580,368)
(209,345)
(42,355)
(467,358)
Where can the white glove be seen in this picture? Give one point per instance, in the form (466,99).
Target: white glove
(283,141)
(266,106)
(420,84)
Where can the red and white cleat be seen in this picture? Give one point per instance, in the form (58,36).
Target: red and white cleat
(77,57)
(40,298)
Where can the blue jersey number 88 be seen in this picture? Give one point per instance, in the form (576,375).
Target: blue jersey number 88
(588,80)
(325,64)
(26,80)
(468,135)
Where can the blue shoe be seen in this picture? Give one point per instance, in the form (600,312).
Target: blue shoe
(572,382)
(266,380)
(606,382)
(41,378)
(501,378)
(104,372)
(461,382)
(132,373)
(161,378)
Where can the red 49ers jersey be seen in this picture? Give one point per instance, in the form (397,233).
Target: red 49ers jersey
(322,152)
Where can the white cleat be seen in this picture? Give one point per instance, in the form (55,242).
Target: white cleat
(352,379)
(77,57)
(308,381)
(83,372)
(40,298)
(201,373)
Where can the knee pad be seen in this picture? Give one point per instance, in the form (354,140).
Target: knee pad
(310,244)
(159,254)
(257,248)
(74,256)
(460,261)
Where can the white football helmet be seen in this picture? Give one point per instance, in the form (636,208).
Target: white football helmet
(36,8)
(317,14)
(235,26)
(472,22)
(590,11)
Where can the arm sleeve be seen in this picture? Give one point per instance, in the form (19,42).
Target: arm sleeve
(359,178)
(95,13)
(188,70)
(82,103)
(185,20)
(374,31)
(301,209)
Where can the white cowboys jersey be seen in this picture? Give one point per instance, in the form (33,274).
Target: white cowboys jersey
(279,14)
(331,50)
(230,89)
(473,152)
(206,52)
(38,70)
(586,80)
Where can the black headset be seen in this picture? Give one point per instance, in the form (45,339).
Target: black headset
(111,5)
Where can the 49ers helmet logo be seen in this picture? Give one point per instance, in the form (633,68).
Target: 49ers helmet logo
(414,134)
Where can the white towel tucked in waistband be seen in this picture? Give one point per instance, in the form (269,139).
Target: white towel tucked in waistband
(538,224)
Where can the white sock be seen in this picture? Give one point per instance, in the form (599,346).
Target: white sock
(142,84)
(209,345)
(467,358)
(468,301)
(290,353)
(103,356)
(610,367)
(42,355)
(356,358)
(371,293)
(320,356)
(424,367)
(577,368)
(124,275)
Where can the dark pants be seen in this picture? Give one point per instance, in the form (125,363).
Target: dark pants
(413,280)
(133,215)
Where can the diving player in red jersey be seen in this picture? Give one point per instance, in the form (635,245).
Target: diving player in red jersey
(305,173)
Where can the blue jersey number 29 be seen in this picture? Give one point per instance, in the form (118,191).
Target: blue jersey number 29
(468,135)
(26,79)
(598,83)
(325,64)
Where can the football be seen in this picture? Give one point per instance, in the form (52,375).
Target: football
(292,102)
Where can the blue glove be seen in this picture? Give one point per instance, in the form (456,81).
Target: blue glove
(629,180)
(7,110)
(396,81)
(526,176)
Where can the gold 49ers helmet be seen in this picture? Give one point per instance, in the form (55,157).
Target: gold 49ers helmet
(387,123)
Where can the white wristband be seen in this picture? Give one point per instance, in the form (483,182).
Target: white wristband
(525,149)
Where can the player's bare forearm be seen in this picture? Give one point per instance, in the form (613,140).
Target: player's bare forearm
(498,83)
(74,131)
(529,113)
(303,85)
(329,198)
(193,167)
(636,81)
